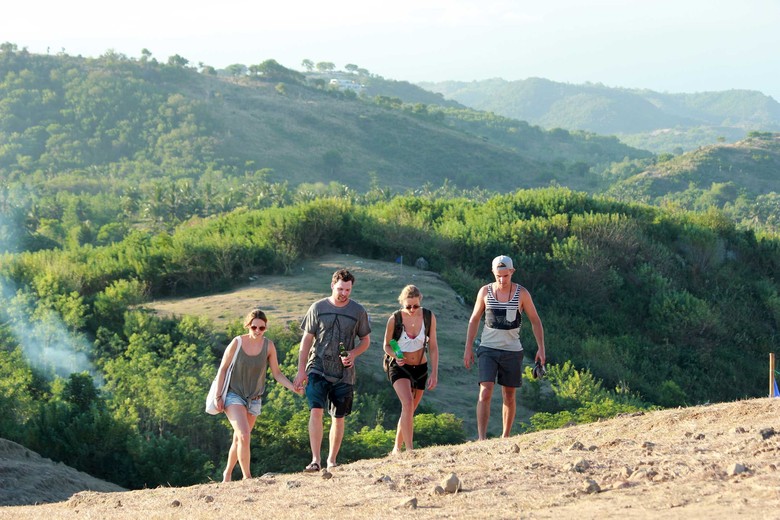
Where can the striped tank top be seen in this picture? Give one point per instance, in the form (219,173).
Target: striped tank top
(502,322)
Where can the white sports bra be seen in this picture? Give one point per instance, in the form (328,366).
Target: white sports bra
(408,344)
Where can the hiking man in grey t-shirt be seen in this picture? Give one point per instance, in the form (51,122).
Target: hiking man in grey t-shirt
(326,362)
(500,353)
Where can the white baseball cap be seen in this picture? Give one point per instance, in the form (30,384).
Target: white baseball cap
(502,262)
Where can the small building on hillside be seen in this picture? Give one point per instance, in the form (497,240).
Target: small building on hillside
(347,84)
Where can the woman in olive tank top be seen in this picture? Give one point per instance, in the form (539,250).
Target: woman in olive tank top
(243,401)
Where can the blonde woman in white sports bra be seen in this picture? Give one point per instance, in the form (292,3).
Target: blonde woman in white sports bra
(417,370)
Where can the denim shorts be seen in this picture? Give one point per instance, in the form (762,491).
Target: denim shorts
(252,406)
(337,396)
(504,367)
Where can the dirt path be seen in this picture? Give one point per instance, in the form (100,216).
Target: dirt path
(717,461)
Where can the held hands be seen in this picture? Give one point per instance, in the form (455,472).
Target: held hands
(299,382)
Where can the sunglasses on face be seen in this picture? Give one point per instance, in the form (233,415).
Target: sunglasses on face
(410,307)
(255,327)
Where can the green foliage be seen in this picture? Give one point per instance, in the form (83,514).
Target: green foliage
(168,460)
(670,395)
(431,429)
(573,397)
(572,386)
(739,180)
(16,396)
(369,443)
(75,428)
(110,304)
(138,143)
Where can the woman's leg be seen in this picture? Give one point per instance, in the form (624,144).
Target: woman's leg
(405,431)
(227,475)
(417,395)
(242,422)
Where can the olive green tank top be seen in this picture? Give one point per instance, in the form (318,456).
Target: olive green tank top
(248,379)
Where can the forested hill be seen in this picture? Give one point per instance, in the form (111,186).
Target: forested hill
(641,117)
(740,179)
(74,121)
(748,169)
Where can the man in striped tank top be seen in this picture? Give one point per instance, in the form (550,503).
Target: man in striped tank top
(500,353)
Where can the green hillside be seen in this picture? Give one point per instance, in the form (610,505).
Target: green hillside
(740,179)
(64,117)
(642,118)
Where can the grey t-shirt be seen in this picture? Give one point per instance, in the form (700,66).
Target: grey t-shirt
(330,326)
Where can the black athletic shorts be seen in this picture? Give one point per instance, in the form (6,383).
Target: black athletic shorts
(417,374)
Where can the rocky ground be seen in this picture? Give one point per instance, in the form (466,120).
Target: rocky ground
(715,461)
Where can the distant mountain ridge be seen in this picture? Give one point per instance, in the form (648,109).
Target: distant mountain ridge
(616,111)
(70,116)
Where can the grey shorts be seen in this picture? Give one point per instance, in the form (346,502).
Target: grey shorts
(252,406)
(504,367)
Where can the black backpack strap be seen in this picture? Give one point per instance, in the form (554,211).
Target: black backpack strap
(399,325)
(427,322)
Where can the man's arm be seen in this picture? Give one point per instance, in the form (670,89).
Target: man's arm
(365,342)
(303,356)
(527,306)
(471,332)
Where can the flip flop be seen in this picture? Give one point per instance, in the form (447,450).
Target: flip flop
(313,467)
(334,465)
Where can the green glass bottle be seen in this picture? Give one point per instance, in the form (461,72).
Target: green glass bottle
(396,349)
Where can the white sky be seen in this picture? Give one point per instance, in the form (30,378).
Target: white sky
(663,45)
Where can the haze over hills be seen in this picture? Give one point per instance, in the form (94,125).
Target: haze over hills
(643,118)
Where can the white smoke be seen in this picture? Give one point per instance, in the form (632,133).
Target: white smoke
(45,340)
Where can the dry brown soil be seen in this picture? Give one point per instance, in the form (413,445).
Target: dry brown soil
(706,462)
